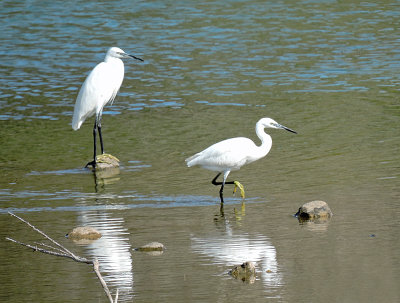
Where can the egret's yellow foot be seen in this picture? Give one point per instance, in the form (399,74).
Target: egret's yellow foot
(240,186)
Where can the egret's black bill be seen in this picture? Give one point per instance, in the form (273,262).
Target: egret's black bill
(137,58)
(289,130)
(125,55)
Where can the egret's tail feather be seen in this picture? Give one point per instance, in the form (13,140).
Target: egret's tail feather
(191,161)
(76,124)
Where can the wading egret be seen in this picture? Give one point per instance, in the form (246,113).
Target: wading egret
(232,154)
(100,87)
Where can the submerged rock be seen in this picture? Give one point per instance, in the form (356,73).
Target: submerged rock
(84,233)
(314,210)
(105,161)
(152,246)
(245,272)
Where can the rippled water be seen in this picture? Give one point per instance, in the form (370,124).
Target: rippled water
(328,69)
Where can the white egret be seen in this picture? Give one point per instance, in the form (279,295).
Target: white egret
(100,87)
(231,154)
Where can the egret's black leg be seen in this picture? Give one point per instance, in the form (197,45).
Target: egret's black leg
(214,181)
(221,191)
(100,136)
(93,163)
(94,141)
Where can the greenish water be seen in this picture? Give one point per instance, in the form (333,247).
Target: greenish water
(327,69)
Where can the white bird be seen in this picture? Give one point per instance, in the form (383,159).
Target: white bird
(231,154)
(100,87)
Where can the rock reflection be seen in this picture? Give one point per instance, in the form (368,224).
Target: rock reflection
(320,224)
(112,250)
(231,249)
(152,249)
(103,177)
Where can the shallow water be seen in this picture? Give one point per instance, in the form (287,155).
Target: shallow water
(328,69)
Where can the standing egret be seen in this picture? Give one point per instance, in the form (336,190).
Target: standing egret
(232,154)
(100,87)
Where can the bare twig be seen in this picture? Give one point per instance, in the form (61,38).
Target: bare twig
(116,297)
(63,252)
(103,283)
(45,251)
(44,235)
(49,246)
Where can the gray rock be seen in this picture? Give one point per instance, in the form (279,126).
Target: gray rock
(314,210)
(84,232)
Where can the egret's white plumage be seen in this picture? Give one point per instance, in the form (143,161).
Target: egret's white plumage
(100,87)
(231,154)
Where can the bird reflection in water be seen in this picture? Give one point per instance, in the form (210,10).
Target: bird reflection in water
(113,249)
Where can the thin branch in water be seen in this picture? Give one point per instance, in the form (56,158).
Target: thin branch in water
(49,246)
(39,249)
(61,251)
(103,283)
(43,234)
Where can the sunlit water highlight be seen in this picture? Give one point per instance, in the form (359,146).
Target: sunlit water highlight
(212,69)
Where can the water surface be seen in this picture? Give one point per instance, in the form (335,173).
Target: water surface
(328,69)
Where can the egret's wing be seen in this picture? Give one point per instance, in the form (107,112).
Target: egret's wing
(229,153)
(100,87)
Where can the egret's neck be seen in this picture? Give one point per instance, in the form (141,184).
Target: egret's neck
(112,59)
(266,140)
(115,63)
